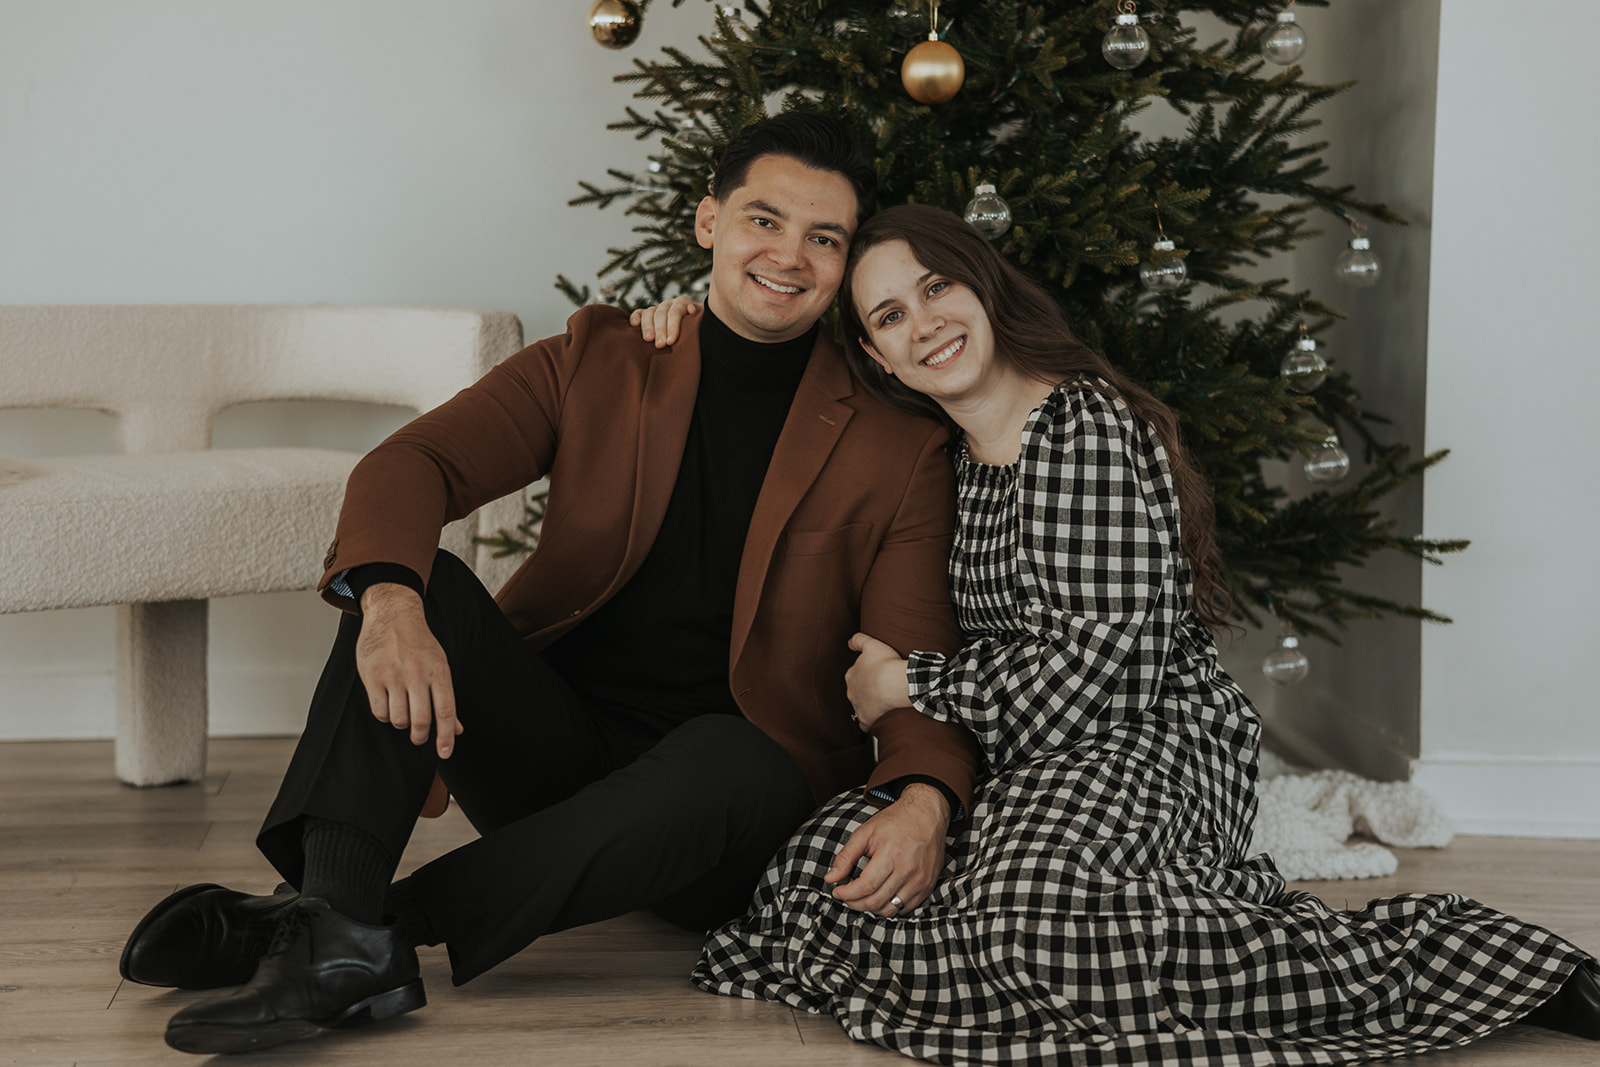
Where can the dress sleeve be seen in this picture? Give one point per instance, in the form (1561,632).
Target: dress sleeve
(1096,543)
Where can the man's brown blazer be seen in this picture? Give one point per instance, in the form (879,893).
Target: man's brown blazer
(851,531)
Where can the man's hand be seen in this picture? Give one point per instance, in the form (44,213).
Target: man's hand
(876,682)
(660,323)
(403,667)
(904,848)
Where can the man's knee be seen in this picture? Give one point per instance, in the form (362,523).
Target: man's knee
(734,753)
(449,574)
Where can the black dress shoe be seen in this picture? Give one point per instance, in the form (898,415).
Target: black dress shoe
(203,937)
(1575,1009)
(322,970)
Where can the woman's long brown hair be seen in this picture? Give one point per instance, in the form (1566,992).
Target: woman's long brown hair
(1032,333)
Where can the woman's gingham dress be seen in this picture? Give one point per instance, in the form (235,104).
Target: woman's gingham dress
(1097,906)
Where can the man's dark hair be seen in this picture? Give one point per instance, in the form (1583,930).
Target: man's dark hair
(818,141)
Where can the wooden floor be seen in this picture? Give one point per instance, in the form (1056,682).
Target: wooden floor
(82,857)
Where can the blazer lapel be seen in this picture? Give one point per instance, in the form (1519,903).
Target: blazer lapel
(816,422)
(669,398)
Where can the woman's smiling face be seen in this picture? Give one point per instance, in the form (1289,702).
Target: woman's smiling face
(927,330)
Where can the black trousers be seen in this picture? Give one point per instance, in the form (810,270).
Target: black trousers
(584,814)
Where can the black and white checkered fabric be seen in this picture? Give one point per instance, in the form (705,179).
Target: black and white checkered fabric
(1097,908)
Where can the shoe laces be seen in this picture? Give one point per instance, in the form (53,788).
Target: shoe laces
(289,927)
(253,943)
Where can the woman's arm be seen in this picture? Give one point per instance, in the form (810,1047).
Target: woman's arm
(1097,543)
(876,681)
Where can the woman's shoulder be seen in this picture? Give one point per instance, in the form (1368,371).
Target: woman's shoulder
(1086,407)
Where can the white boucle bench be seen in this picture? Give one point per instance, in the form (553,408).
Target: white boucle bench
(169,523)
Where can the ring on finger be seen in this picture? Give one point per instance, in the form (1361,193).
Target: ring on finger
(896,903)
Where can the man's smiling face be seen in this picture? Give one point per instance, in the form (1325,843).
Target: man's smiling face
(778,246)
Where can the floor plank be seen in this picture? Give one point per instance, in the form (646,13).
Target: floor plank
(82,857)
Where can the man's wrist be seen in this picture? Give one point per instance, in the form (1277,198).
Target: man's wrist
(922,793)
(359,579)
(388,596)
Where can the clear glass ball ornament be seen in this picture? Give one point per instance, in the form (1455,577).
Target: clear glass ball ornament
(1286,664)
(1286,43)
(907,23)
(651,181)
(690,131)
(1126,45)
(989,215)
(1358,266)
(1165,274)
(1328,461)
(1304,369)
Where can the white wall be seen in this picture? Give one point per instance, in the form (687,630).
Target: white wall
(1510,716)
(342,151)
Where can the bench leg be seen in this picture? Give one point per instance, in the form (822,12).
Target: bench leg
(161,692)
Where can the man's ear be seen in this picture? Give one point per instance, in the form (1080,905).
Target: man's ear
(705,219)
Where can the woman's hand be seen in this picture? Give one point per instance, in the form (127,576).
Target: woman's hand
(661,321)
(877,681)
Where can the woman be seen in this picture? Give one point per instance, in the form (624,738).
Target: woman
(1096,904)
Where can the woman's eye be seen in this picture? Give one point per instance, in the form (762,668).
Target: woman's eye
(937,287)
(889,319)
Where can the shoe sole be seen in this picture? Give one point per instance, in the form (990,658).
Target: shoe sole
(207,1038)
(124,965)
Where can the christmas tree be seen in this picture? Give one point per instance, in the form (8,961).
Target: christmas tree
(1051,111)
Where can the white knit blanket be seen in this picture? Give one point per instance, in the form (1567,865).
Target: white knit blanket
(1306,819)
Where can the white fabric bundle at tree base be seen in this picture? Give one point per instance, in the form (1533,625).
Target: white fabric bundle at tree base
(1306,819)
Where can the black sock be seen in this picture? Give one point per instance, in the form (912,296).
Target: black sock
(347,867)
(402,906)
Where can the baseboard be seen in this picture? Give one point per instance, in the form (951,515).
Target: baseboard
(247,700)
(260,698)
(1514,796)
(69,705)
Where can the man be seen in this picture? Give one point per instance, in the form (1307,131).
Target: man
(656,699)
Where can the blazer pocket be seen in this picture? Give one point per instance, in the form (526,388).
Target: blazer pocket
(798,543)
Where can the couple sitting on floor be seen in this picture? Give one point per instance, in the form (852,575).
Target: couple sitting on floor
(1034,801)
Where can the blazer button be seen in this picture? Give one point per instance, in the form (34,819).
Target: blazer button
(575,614)
(333,553)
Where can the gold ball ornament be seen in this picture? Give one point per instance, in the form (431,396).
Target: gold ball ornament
(615,23)
(932,72)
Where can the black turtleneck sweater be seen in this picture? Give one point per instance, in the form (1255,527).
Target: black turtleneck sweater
(658,649)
